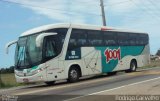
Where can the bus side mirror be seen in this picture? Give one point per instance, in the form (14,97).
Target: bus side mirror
(8,45)
(40,38)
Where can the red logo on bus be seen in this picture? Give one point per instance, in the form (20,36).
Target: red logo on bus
(112,54)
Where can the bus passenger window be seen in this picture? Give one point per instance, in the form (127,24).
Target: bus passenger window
(50,48)
(95,38)
(50,51)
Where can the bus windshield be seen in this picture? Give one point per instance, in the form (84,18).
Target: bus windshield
(27,53)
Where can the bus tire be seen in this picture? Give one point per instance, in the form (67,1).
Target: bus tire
(133,66)
(50,83)
(73,74)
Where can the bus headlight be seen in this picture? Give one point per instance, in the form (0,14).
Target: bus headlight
(36,71)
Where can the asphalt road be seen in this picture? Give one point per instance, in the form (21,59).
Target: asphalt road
(93,86)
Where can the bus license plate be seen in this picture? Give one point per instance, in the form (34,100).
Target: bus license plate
(26,80)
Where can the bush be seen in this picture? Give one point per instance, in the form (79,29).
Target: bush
(1,83)
(7,70)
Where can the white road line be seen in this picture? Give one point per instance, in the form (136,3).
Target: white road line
(64,86)
(113,89)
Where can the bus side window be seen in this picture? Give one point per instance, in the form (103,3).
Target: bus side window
(146,39)
(50,48)
(132,39)
(78,39)
(110,38)
(140,40)
(123,39)
(59,38)
(143,39)
(95,38)
(81,37)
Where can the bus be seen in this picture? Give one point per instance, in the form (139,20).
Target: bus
(69,51)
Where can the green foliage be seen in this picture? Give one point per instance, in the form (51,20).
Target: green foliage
(7,70)
(1,84)
(8,80)
(3,71)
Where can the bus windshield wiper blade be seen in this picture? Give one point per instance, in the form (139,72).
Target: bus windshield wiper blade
(20,56)
(28,55)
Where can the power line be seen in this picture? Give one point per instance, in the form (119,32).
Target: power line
(142,9)
(78,13)
(88,2)
(126,1)
(117,3)
(154,5)
(136,17)
(59,10)
(151,12)
(83,3)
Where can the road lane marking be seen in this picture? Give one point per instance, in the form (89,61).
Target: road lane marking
(113,89)
(68,85)
(125,86)
(63,86)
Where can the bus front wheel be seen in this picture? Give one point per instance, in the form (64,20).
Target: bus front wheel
(73,75)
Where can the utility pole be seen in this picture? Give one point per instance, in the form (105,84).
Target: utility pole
(103,13)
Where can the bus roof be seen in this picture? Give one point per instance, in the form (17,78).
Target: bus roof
(78,26)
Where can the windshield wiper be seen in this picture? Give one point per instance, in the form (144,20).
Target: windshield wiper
(28,56)
(24,52)
(20,56)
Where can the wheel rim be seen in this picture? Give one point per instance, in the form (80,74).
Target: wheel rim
(133,67)
(74,74)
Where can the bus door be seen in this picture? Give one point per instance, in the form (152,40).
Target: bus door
(51,58)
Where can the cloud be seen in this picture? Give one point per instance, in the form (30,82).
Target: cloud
(84,10)
(120,6)
(48,8)
(62,10)
(76,10)
(140,15)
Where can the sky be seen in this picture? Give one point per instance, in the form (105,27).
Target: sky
(18,16)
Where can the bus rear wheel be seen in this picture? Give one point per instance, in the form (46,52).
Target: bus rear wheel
(73,75)
(133,67)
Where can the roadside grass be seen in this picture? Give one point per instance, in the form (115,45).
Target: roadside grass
(8,80)
(154,63)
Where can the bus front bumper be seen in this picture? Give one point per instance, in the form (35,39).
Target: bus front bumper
(39,77)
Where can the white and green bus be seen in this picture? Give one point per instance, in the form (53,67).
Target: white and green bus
(70,51)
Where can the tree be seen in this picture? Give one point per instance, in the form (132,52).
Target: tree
(7,70)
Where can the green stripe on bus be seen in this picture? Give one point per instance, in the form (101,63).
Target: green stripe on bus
(109,66)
